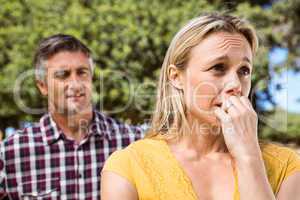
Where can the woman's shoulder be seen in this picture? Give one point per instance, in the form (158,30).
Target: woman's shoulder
(280,163)
(277,153)
(147,144)
(143,155)
(138,148)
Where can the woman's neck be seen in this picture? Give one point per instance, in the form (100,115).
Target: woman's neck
(200,141)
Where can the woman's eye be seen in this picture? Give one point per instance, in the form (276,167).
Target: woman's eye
(244,71)
(218,68)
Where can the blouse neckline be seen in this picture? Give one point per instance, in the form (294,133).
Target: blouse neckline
(186,177)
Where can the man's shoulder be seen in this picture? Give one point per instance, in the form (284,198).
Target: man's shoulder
(114,126)
(102,118)
(27,136)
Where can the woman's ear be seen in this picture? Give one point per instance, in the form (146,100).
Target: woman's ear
(175,77)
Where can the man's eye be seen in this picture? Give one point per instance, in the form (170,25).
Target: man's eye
(244,71)
(83,72)
(62,74)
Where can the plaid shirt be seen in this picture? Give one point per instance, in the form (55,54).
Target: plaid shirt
(39,162)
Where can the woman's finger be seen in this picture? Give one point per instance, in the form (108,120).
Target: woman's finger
(222,115)
(231,108)
(246,102)
(226,121)
(238,105)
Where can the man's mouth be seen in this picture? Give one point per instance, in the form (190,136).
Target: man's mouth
(76,96)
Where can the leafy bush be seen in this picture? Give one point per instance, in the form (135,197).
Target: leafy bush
(128,38)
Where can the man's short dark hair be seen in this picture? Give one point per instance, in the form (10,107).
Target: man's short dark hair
(54,44)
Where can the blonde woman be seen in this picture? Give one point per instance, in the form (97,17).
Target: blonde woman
(203,142)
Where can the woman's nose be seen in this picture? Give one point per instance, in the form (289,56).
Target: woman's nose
(233,86)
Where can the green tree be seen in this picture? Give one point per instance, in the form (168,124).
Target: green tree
(129,39)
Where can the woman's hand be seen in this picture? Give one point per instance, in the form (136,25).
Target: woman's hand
(239,126)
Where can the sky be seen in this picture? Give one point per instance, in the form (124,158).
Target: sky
(288,97)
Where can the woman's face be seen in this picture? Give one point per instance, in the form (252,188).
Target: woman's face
(218,67)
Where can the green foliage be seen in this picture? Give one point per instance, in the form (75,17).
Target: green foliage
(286,129)
(128,38)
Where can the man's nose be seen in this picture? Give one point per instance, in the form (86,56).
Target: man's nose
(74,82)
(74,77)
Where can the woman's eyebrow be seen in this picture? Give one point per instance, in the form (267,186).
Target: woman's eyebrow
(246,59)
(225,57)
(215,59)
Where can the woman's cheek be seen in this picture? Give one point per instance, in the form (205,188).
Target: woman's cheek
(200,97)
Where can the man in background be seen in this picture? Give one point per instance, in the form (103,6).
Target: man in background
(62,155)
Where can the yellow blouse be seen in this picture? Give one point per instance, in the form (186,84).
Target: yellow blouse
(156,174)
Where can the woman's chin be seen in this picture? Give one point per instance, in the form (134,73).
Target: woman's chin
(206,119)
(212,120)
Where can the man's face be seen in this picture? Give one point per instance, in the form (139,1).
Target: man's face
(68,83)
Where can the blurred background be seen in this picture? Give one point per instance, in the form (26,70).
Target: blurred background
(129,39)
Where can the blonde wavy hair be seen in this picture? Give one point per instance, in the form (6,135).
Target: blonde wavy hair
(169,117)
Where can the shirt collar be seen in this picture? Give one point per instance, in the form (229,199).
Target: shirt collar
(99,125)
(50,129)
(53,133)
